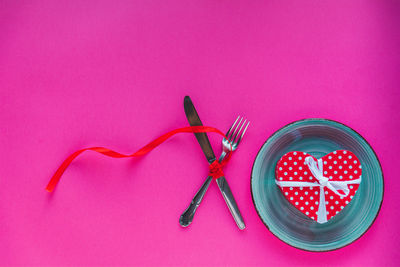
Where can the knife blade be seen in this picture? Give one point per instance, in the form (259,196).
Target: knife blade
(187,216)
(194,120)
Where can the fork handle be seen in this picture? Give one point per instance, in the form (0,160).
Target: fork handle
(187,216)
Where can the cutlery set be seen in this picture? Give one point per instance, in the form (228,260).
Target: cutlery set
(230,143)
(235,135)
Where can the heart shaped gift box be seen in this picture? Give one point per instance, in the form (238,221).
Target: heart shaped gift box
(319,188)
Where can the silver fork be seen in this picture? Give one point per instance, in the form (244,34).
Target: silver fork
(232,144)
(235,135)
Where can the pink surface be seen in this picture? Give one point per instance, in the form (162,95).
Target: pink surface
(114,74)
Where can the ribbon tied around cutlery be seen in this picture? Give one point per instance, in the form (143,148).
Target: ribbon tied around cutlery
(215,167)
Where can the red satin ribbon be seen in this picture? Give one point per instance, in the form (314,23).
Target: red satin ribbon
(215,167)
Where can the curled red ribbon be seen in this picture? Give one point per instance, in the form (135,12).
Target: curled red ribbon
(215,167)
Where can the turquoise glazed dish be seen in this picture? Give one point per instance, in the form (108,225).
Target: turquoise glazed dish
(317,137)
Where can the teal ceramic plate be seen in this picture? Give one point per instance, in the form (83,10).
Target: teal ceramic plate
(317,137)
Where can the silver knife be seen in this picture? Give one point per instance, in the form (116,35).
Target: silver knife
(187,216)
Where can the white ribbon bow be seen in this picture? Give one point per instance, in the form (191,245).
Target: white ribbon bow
(316,168)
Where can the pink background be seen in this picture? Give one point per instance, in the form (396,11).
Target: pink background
(114,73)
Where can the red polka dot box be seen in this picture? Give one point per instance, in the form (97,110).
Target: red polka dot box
(319,188)
(317,185)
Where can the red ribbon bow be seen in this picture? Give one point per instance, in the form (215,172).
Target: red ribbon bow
(215,167)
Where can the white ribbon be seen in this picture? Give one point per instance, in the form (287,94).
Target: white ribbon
(316,168)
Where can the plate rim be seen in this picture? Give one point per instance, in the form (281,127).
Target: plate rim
(317,119)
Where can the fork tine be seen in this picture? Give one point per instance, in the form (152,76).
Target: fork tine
(238,133)
(240,138)
(233,134)
(233,125)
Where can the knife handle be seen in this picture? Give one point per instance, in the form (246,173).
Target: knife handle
(187,216)
(230,202)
